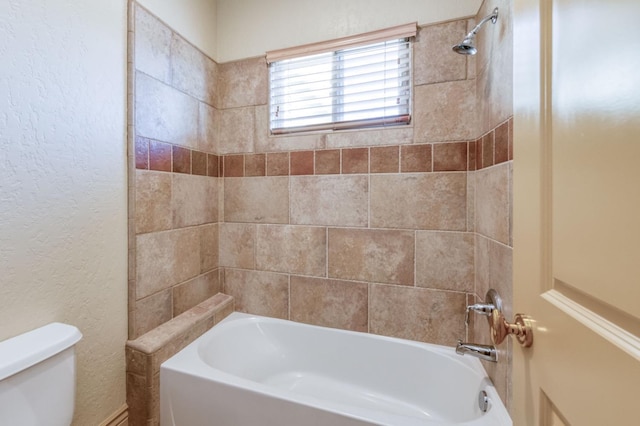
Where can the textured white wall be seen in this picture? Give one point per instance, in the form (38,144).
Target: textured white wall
(228,30)
(247,28)
(63,211)
(195,20)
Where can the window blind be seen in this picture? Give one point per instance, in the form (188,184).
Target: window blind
(368,84)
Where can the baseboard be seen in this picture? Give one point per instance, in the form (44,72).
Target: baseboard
(119,418)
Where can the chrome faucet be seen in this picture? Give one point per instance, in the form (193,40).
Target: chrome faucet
(486,352)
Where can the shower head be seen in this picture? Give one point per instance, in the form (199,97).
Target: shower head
(467,46)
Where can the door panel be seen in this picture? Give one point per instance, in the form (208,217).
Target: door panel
(596,148)
(577,210)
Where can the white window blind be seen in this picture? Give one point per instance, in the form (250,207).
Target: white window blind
(358,85)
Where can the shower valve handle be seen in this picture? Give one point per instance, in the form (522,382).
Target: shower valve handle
(479,308)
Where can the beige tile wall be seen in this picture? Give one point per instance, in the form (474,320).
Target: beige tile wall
(391,231)
(364,230)
(174,188)
(493,179)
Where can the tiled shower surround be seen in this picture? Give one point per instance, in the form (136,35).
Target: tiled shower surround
(391,231)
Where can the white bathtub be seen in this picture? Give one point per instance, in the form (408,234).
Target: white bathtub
(251,370)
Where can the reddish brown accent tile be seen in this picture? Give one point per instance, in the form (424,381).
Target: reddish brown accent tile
(355,160)
(385,159)
(479,154)
(142,153)
(487,150)
(450,157)
(416,158)
(213,166)
(254,165)
(328,162)
(278,164)
(302,163)
(473,146)
(181,160)
(501,153)
(159,156)
(198,163)
(233,165)
(511,138)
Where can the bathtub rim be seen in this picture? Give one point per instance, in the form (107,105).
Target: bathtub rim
(204,371)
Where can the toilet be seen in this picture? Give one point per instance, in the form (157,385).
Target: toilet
(38,377)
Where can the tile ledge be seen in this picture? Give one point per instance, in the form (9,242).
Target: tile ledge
(159,337)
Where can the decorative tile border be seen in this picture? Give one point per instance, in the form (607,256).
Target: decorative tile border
(164,157)
(493,148)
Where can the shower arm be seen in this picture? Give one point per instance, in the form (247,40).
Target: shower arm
(493,18)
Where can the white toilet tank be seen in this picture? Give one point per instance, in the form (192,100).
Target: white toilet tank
(38,377)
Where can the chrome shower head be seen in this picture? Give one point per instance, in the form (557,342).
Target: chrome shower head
(467,47)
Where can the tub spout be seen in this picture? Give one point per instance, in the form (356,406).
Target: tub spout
(486,352)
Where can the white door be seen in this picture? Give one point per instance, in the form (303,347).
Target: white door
(577,211)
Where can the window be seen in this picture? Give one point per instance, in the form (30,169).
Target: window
(365,82)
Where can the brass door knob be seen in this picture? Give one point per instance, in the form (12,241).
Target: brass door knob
(521,328)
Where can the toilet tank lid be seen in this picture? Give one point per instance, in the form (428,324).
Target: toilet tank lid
(25,350)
